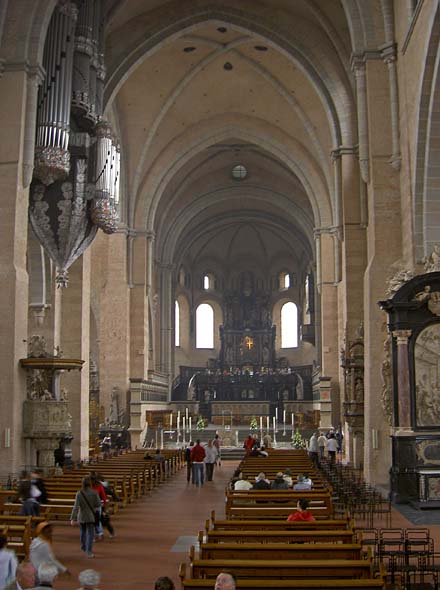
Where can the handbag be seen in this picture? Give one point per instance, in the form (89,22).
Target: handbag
(96,512)
(105,518)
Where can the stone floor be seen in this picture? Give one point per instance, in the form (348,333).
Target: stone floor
(154,534)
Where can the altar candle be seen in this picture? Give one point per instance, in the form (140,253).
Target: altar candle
(190,423)
(261,422)
(267,419)
(293,420)
(178,423)
(284,416)
(184,424)
(178,416)
(276,414)
(274,424)
(186,414)
(171,420)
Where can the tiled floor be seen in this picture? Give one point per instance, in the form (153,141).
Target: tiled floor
(153,535)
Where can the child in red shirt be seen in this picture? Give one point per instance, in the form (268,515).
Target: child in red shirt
(301,513)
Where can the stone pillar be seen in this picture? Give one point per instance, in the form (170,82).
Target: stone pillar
(166,319)
(404,398)
(139,321)
(359,67)
(384,247)
(14,85)
(110,253)
(75,342)
(45,448)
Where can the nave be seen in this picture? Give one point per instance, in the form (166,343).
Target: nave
(149,532)
(154,534)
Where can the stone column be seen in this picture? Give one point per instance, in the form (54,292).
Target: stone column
(139,321)
(384,247)
(14,85)
(359,67)
(75,342)
(404,397)
(166,318)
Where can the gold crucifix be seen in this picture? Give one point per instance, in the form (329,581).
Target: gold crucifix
(249,342)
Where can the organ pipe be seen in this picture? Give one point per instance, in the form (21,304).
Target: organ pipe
(52,159)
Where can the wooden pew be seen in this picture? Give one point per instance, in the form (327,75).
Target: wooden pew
(278,551)
(260,524)
(320,502)
(19,538)
(270,536)
(276,568)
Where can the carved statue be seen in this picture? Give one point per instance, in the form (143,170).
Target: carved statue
(386,372)
(432,262)
(394,282)
(37,347)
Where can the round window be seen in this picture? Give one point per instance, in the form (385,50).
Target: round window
(239,172)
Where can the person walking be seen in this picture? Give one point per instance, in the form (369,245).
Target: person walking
(322,443)
(41,551)
(210,459)
(8,563)
(332,447)
(86,512)
(197,458)
(313,448)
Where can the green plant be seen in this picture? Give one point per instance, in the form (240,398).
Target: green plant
(200,424)
(297,440)
(253,424)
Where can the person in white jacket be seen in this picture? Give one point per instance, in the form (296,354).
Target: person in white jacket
(8,563)
(210,459)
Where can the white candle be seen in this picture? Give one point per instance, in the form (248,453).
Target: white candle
(293,420)
(267,422)
(284,416)
(261,422)
(274,424)
(184,423)
(186,414)
(171,420)
(178,423)
(190,424)
(276,414)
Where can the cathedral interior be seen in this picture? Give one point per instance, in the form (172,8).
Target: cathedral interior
(265,175)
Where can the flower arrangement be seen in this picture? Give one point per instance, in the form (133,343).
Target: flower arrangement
(297,440)
(200,424)
(253,424)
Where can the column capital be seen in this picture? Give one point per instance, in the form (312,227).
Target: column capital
(401,336)
(343,150)
(33,71)
(388,53)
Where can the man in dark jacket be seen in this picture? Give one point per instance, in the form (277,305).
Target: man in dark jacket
(37,480)
(189,467)
(261,483)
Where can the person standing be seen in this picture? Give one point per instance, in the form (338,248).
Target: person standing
(217,443)
(189,465)
(249,444)
(87,504)
(8,563)
(107,445)
(197,459)
(99,489)
(267,440)
(210,459)
(332,447)
(38,481)
(322,443)
(314,448)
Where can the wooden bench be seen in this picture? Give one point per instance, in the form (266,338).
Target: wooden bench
(286,568)
(19,539)
(270,536)
(278,551)
(261,524)
(320,502)
(334,584)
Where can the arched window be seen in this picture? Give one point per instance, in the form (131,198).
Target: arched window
(289,325)
(204,326)
(206,282)
(284,279)
(176,324)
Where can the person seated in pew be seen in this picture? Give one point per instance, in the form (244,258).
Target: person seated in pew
(307,480)
(25,576)
(287,475)
(164,583)
(158,456)
(235,477)
(38,481)
(301,485)
(46,574)
(89,580)
(225,581)
(8,564)
(301,513)
(28,494)
(279,483)
(261,483)
(242,483)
